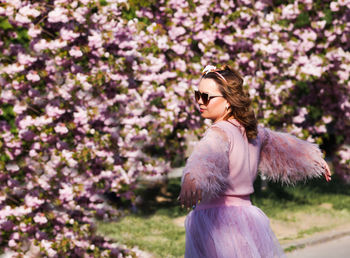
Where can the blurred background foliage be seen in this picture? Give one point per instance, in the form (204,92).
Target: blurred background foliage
(98,94)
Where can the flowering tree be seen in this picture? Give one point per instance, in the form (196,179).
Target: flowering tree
(96,93)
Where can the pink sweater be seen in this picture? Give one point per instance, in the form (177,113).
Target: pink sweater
(224,163)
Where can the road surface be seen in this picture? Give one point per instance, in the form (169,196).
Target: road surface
(338,248)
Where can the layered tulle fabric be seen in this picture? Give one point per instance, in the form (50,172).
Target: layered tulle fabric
(287,159)
(234,231)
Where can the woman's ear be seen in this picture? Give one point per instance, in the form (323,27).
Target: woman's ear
(227,105)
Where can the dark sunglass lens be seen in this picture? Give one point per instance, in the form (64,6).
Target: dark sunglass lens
(205,98)
(197,95)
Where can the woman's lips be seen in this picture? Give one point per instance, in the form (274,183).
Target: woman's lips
(201,110)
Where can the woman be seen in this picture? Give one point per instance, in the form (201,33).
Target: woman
(218,177)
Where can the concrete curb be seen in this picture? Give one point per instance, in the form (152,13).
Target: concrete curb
(316,239)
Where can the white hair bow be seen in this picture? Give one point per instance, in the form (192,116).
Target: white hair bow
(211,68)
(208,69)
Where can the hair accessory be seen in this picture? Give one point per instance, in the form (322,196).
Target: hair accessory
(208,69)
(212,69)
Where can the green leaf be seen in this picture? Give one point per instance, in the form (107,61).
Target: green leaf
(303,88)
(103,2)
(4,23)
(328,17)
(314,112)
(302,20)
(4,158)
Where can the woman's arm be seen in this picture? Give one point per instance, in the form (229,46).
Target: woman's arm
(289,159)
(206,169)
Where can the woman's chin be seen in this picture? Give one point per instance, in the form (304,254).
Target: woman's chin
(205,116)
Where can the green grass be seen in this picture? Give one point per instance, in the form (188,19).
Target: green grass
(310,231)
(292,248)
(156,234)
(151,226)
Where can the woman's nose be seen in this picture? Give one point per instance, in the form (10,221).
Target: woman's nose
(200,101)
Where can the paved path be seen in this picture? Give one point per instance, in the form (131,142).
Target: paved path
(337,248)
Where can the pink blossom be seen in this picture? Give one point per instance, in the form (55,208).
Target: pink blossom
(68,35)
(14,144)
(12,167)
(344,154)
(32,201)
(53,111)
(13,68)
(9,11)
(66,193)
(321,24)
(2,198)
(321,129)
(34,31)
(69,158)
(24,59)
(58,15)
(228,39)
(308,35)
(29,11)
(33,153)
(334,6)
(290,11)
(41,45)
(43,182)
(179,49)
(75,52)
(79,14)
(15,236)
(33,76)
(81,77)
(26,122)
(7,95)
(80,116)
(95,40)
(180,65)
(12,243)
(22,19)
(36,146)
(163,42)
(61,128)
(21,211)
(56,44)
(327,119)
(205,36)
(42,120)
(344,2)
(174,32)
(51,252)
(40,218)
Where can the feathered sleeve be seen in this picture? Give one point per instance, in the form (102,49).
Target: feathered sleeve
(289,159)
(208,164)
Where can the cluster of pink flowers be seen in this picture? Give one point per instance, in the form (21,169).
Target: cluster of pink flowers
(96,93)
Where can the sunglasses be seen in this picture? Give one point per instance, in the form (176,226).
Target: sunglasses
(206,97)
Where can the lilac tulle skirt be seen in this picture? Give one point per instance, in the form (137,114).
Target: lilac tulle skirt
(230,227)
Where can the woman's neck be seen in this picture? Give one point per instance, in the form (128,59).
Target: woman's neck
(222,118)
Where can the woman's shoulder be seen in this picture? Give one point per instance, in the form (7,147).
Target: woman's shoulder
(231,126)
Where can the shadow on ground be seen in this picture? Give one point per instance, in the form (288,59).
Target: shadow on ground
(161,197)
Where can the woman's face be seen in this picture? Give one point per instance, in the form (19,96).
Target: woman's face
(215,110)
